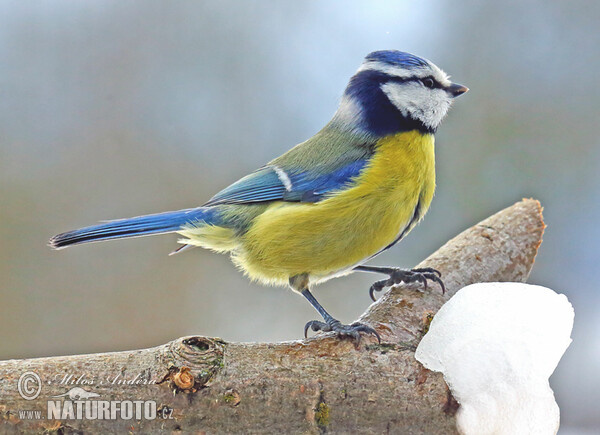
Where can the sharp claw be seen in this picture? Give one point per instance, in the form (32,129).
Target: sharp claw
(366,329)
(376,334)
(315,325)
(377,287)
(441,283)
(306,329)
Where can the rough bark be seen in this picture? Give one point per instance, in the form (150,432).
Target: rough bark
(321,384)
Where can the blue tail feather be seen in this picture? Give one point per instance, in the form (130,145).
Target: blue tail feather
(133,227)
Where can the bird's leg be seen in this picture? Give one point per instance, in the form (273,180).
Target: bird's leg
(329,324)
(397,276)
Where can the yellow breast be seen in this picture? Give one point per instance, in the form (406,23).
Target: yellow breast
(329,237)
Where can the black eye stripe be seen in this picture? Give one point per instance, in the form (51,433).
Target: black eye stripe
(436,84)
(381,78)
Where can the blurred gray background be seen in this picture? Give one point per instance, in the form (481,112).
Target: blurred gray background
(114,109)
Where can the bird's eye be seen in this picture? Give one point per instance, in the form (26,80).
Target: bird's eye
(428,82)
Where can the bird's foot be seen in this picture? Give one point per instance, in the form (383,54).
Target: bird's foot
(342,330)
(407,276)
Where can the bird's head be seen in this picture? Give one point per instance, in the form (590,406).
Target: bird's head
(394,91)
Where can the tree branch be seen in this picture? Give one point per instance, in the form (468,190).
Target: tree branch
(309,386)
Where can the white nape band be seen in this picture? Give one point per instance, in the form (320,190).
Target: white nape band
(349,111)
(283,177)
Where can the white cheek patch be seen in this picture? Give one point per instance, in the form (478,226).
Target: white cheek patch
(415,101)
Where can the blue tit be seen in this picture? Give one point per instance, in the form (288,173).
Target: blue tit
(330,204)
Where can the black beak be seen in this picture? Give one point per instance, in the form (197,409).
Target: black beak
(455,89)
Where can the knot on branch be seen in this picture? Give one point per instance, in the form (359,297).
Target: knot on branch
(193,361)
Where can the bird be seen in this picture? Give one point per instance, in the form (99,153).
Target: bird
(332,203)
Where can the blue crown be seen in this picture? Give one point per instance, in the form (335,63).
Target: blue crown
(397,58)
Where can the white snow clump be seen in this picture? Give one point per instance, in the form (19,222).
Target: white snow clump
(497,344)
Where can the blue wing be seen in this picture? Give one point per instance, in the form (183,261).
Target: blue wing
(272,183)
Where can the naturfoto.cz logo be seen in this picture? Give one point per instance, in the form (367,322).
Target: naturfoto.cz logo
(79,404)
